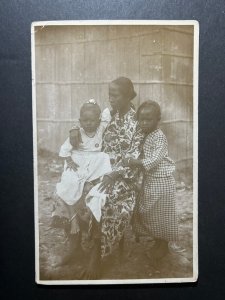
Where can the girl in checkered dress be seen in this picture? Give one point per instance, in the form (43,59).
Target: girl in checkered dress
(155,214)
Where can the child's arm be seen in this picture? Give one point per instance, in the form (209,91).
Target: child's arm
(132,162)
(71,164)
(154,154)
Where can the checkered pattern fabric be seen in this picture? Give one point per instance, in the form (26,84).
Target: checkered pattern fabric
(156,160)
(155,213)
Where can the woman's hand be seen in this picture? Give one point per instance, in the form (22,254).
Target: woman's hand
(71,164)
(106,184)
(75,137)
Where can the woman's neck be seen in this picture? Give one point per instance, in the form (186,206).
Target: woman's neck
(124,110)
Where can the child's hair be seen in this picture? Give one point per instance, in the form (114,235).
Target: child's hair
(153,105)
(91,105)
(126,87)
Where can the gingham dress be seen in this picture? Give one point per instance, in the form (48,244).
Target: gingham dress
(155,212)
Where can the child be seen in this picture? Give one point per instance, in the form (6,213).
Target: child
(83,165)
(155,212)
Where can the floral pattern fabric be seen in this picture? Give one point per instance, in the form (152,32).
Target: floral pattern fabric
(122,139)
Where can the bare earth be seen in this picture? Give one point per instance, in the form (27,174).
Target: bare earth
(135,264)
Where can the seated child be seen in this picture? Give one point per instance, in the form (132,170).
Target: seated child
(155,213)
(86,163)
(83,165)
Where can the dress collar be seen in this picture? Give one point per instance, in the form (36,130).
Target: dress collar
(131,111)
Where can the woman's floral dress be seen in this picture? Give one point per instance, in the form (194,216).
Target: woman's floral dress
(122,139)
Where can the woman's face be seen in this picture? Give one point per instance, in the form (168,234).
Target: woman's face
(116,97)
(148,120)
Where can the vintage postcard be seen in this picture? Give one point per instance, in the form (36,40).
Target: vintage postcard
(115,136)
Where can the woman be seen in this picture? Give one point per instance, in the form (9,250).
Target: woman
(121,139)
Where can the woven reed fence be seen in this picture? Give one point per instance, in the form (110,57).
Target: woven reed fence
(76,63)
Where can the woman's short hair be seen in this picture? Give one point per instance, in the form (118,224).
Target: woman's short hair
(126,87)
(91,105)
(150,104)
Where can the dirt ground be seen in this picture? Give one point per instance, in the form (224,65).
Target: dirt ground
(135,264)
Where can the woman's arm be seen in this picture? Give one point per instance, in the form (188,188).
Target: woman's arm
(75,137)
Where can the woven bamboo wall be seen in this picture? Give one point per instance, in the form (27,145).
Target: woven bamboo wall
(76,63)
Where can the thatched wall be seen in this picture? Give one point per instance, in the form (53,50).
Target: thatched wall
(75,63)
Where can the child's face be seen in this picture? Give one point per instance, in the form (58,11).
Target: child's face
(89,121)
(116,98)
(148,120)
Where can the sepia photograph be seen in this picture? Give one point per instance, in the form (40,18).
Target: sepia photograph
(115,136)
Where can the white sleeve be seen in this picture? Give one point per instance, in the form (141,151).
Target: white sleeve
(105,116)
(66,149)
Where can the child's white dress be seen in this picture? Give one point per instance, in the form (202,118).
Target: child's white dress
(93,164)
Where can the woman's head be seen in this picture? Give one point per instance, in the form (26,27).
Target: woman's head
(148,115)
(90,114)
(121,92)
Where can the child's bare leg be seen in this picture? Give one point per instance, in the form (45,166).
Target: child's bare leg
(74,239)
